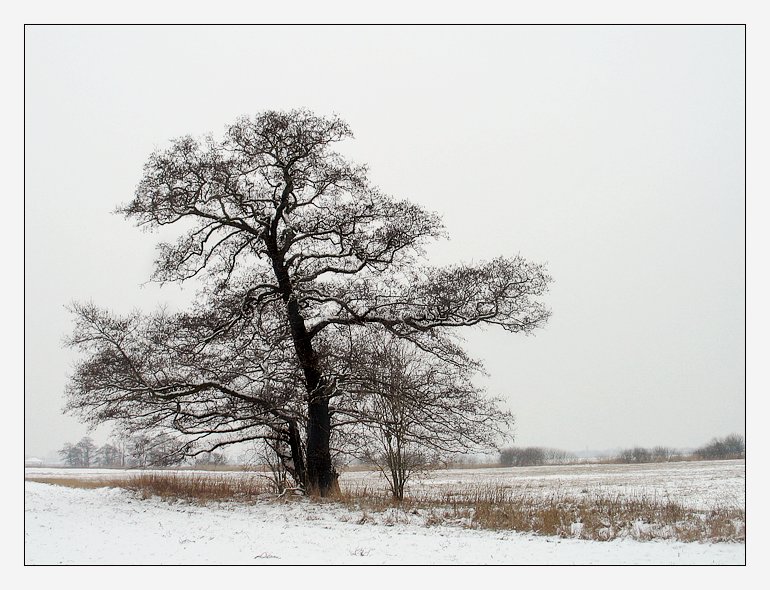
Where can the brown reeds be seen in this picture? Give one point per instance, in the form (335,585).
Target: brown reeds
(592,516)
(188,486)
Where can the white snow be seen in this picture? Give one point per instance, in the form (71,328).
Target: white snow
(112,526)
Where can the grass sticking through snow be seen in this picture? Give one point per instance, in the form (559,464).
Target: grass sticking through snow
(591,516)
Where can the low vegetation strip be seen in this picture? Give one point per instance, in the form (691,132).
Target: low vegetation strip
(603,518)
(191,487)
(592,516)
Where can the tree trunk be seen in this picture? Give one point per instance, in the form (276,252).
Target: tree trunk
(321,478)
(298,460)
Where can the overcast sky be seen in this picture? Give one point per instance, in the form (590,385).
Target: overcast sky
(613,154)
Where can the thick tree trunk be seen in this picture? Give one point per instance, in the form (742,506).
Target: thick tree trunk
(320,478)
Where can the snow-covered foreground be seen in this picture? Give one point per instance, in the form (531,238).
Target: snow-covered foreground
(111,526)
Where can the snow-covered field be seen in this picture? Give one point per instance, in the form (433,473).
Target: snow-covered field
(111,526)
(696,484)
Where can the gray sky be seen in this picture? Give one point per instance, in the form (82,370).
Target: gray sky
(614,154)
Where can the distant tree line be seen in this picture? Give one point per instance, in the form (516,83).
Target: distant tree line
(732,446)
(529,456)
(133,451)
(657,454)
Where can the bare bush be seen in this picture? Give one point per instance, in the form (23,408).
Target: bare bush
(635,455)
(729,447)
(414,408)
(661,454)
(533,456)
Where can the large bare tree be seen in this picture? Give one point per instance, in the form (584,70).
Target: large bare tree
(294,247)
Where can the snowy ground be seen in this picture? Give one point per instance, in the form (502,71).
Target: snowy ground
(110,526)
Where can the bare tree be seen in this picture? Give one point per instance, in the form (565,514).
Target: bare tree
(87,451)
(729,447)
(293,246)
(109,455)
(81,454)
(415,408)
(71,455)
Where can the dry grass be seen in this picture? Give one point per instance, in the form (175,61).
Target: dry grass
(591,516)
(74,482)
(199,488)
(604,518)
(189,486)
(493,507)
